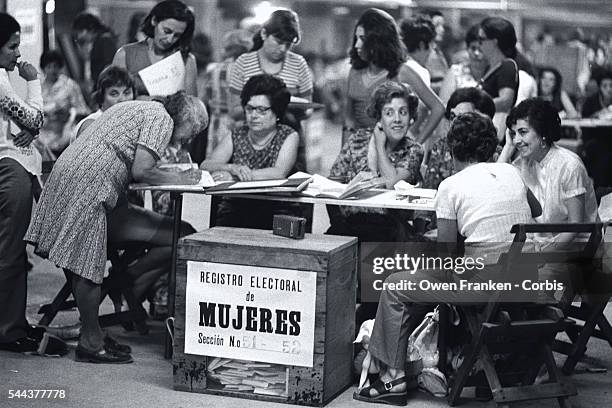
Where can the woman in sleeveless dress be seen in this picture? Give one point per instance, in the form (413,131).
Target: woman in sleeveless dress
(169,28)
(377,55)
(262,148)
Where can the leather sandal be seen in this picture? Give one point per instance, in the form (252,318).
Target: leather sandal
(385,395)
(114,346)
(101,356)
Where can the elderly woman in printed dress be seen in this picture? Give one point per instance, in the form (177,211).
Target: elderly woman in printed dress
(85,197)
(389,151)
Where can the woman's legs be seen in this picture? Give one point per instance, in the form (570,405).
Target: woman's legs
(87,296)
(399,313)
(15,211)
(132,224)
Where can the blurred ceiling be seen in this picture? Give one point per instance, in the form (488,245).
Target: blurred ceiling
(580,12)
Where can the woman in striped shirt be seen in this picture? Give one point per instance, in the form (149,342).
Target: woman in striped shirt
(272,55)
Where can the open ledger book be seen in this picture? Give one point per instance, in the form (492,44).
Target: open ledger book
(326,188)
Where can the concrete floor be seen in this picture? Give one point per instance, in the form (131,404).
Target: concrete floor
(148,381)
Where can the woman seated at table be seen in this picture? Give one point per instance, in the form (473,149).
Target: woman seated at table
(263,148)
(440,161)
(556,175)
(388,150)
(83,203)
(482,201)
(597,141)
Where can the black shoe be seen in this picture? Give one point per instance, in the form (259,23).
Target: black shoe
(114,346)
(22,345)
(102,356)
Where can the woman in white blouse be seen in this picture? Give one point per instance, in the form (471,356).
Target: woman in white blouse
(19,162)
(482,202)
(556,175)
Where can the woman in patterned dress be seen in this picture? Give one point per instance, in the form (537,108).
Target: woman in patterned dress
(85,196)
(389,151)
(262,148)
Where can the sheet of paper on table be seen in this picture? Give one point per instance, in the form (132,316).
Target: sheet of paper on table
(206,179)
(407,189)
(164,77)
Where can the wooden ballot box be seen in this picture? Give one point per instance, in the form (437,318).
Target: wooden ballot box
(265,317)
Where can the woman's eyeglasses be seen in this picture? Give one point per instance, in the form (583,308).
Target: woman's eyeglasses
(261,110)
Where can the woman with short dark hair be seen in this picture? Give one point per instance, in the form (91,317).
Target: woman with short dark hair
(556,175)
(498,44)
(20,162)
(439,161)
(465,74)
(169,28)
(482,202)
(263,148)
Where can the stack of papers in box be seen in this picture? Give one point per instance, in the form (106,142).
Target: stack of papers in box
(249,376)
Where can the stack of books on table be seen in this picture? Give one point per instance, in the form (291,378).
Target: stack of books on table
(249,376)
(276,186)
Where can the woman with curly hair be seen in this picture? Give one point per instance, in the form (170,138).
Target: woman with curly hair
(377,55)
(482,201)
(556,175)
(389,151)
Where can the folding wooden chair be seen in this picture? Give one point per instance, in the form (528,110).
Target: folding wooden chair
(519,335)
(115,284)
(586,298)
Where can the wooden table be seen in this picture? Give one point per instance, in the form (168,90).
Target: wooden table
(384,199)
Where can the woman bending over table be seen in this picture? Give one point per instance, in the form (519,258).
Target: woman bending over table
(482,201)
(84,198)
(263,148)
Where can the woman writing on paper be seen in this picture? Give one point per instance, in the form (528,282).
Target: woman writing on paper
(83,203)
(263,148)
(169,28)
